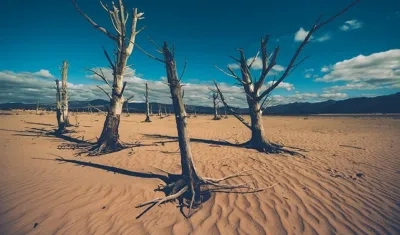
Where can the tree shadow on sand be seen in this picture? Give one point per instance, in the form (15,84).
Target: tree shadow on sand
(214,143)
(205,141)
(41,132)
(71,142)
(40,124)
(167,179)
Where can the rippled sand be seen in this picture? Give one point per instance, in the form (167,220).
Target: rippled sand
(348,184)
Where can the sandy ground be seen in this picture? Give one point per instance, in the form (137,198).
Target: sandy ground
(321,194)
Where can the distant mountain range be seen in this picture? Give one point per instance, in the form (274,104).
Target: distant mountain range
(379,104)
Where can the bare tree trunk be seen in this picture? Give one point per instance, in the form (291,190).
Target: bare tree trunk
(189,174)
(147,104)
(215,99)
(226,115)
(159,110)
(109,138)
(37,107)
(60,117)
(165,110)
(189,181)
(64,93)
(151,109)
(258,139)
(127,107)
(252,86)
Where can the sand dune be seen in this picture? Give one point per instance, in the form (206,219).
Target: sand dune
(348,184)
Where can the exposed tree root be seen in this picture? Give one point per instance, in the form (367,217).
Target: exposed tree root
(272,148)
(105,147)
(184,190)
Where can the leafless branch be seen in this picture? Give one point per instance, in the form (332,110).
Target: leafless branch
(155,44)
(100,28)
(101,75)
(232,75)
(240,118)
(123,89)
(109,96)
(313,29)
(101,111)
(130,97)
(149,55)
(112,65)
(254,59)
(183,71)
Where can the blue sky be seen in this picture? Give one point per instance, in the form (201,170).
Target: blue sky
(39,35)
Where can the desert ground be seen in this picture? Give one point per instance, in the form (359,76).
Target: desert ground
(347,184)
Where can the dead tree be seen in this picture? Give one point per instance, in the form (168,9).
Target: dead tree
(109,138)
(60,117)
(64,93)
(215,105)
(165,110)
(146,99)
(189,182)
(151,109)
(37,107)
(252,87)
(159,110)
(127,104)
(226,115)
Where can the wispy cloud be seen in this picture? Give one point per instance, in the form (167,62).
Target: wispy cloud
(29,87)
(257,65)
(308,97)
(376,71)
(351,25)
(325,69)
(301,34)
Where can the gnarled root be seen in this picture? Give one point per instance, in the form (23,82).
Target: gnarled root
(266,147)
(104,147)
(177,190)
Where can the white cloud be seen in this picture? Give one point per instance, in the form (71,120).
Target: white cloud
(29,87)
(325,69)
(307,97)
(257,65)
(308,75)
(351,25)
(301,34)
(324,38)
(336,95)
(376,71)
(285,85)
(44,73)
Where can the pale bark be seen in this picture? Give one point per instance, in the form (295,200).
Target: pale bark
(64,93)
(147,104)
(189,173)
(215,105)
(189,181)
(109,138)
(60,117)
(252,87)
(159,110)
(37,107)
